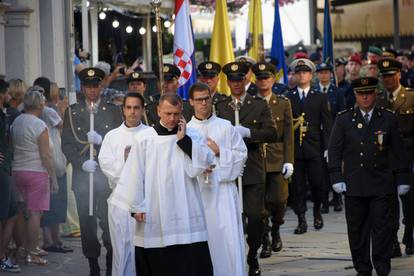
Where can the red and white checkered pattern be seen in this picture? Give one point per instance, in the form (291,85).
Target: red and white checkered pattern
(183,61)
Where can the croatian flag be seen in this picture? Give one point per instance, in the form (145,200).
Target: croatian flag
(184,47)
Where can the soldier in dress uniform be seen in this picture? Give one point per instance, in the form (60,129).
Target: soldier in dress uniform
(208,72)
(256,127)
(278,88)
(278,157)
(136,82)
(171,75)
(401,101)
(366,154)
(312,125)
(76,138)
(250,86)
(336,102)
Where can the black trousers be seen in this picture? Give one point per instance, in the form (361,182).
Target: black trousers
(89,224)
(275,199)
(176,260)
(311,171)
(369,222)
(253,205)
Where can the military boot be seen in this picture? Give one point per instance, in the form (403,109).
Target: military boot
(396,249)
(317,219)
(302,225)
(277,244)
(408,240)
(266,249)
(254,268)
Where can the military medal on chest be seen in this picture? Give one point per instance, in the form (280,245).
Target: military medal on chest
(380,139)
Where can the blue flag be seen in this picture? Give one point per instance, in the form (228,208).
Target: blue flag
(278,51)
(328,54)
(184,47)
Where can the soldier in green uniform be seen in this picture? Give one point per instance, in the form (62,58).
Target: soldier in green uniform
(278,156)
(171,75)
(209,74)
(366,160)
(256,127)
(76,138)
(401,101)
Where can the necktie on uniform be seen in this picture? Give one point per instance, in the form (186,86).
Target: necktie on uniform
(366,118)
(324,89)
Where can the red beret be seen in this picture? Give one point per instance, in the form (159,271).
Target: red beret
(355,58)
(300,55)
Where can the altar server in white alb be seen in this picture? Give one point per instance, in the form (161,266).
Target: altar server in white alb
(159,183)
(218,187)
(114,151)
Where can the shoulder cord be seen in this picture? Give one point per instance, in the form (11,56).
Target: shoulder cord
(75,135)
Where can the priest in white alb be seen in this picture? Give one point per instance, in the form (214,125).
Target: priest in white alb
(114,151)
(218,188)
(159,183)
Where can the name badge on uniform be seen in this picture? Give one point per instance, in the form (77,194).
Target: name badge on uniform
(380,139)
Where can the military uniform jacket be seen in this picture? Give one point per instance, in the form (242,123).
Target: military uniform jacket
(282,151)
(371,155)
(252,89)
(255,115)
(404,110)
(280,89)
(336,99)
(107,117)
(218,97)
(318,122)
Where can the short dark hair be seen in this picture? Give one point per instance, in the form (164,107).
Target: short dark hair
(197,87)
(171,98)
(134,95)
(45,84)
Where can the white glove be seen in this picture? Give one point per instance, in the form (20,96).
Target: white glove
(403,189)
(243,131)
(89,166)
(339,187)
(287,170)
(94,138)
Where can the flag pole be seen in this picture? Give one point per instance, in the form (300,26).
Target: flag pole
(156,4)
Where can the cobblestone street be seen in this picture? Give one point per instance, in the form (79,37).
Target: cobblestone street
(316,253)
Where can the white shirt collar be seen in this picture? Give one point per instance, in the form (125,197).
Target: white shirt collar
(369,113)
(322,87)
(395,93)
(242,98)
(306,90)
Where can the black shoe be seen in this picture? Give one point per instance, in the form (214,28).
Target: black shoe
(94,267)
(409,249)
(254,268)
(396,250)
(318,221)
(277,244)
(325,209)
(266,249)
(302,225)
(337,207)
(408,240)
